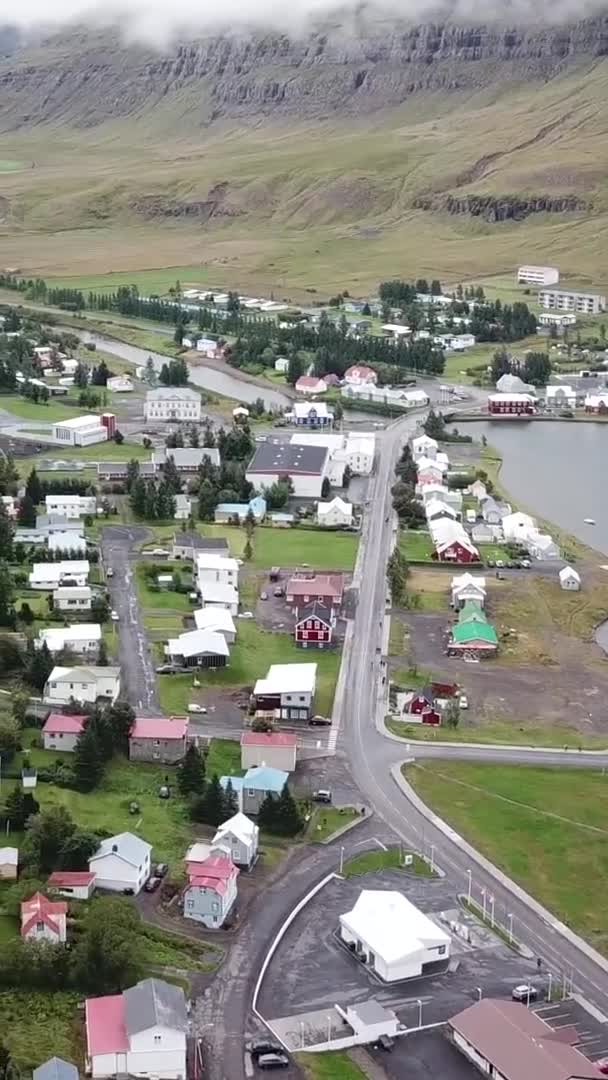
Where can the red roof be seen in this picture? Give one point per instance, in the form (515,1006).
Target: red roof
(268,738)
(309,381)
(57,723)
(40,910)
(105,1024)
(213,872)
(317,586)
(361,371)
(176,727)
(70,878)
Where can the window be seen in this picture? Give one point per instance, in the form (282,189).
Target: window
(305,634)
(441,950)
(157,1038)
(157,742)
(302,697)
(215,906)
(251,793)
(189,904)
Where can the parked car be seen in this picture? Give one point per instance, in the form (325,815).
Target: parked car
(500,563)
(524,992)
(319,721)
(114,616)
(158,551)
(196,708)
(602,1065)
(160,870)
(245,615)
(109,572)
(263,596)
(263,1046)
(152,884)
(276,1060)
(463,701)
(322,795)
(526,564)
(279,592)
(385,1043)
(165,669)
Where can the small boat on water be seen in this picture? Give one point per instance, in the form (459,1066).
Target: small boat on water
(589,521)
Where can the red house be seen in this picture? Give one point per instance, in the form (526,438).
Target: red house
(327,590)
(456,551)
(422,705)
(314,627)
(511,404)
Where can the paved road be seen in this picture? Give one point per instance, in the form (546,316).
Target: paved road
(135,656)
(369,753)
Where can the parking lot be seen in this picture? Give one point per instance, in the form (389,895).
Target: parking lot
(591,1031)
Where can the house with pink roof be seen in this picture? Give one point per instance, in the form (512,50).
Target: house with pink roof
(77,884)
(61,732)
(158,739)
(211,891)
(141,1032)
(310,385)
(360,375)
(44,920)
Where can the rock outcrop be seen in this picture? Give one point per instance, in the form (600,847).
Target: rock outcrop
(502,207)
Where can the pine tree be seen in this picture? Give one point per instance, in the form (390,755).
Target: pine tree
(99,724)
(210,808)
(33,487)
(194,437)
(231,802)
(171,476)
(149,372)
(27,512)
(102,656)
(88,760)
(120,716)
(7,610)
(39,665)
(288,820)
(191,773)
(6,534)
(137,497)
(207,501)
(267,814)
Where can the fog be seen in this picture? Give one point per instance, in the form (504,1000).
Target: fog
(159,22)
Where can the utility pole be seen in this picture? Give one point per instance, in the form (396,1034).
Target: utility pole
(469,873)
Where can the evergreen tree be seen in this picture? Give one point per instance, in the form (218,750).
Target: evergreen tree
(99,724)
(248,550)
(120,716)
(132,473)
(171,476)
(81,376)
(231,802)
(88,760)
(101,374)
(191,773)
(137,497)
(295,368)
(102,657)
(19,806)
(149,372)
(6,534)
(288,820)
(207,501)
(267,814)
(27,512)
(7,610)
(211,807)
(194,437)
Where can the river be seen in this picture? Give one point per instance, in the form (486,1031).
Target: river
(556,471)
(208,378)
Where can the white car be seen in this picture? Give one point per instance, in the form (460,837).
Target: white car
(109,572)
(197,708)
(463,701)
(245,615)
(114,616)
(157,551)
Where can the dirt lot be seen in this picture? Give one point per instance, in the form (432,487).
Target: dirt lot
(548,670)
(275,614)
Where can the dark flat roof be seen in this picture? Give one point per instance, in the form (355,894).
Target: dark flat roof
(288,458)
(201,543)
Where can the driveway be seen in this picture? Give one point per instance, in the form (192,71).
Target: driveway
(134,654)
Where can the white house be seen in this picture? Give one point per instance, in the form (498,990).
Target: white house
(119,384)
(310,384)
(173,403)
(281,364)
(76,884)
(478,490)
(517,526)
(335,514)
(542,546)
(72,598)
(436,508)
(214,595)
(217,619)
(9,863)
(141,1032)
(241,836)
(392,937)
(87,684)
(360,375)
(310,414)
(288,690)
(277,749)
(569,579)
(429,472)
(360,450)
(73,543)
(121,862)
(44,920)
(10,507)
(465,587)
(560,396)
(183,508)
(81,431)
(61,732)
(55,574)
(82,638)
(216,569)
(424,447)
(71,506)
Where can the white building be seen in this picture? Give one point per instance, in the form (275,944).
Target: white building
(335,514)
(61,732)
(140,1033)
(585,303)
(55,574)
(360,374)
(71,506)
(387,395)
(517,526)
(395,330)
(569,579)
(288,689)
(241,837)
(559,320)
(44,920)
(82,638)
(345,449)
(542,546)
(198,648)
(465,587)
(8,502)
(394,938)
(173,403)
(306,466)
(75,884)
(121,862)
(424,447)
(281,364)
(86,684)
(183,508)
(310,414)
(217,619)
(360,451)
(72,542)
(436,508)
(214,594)
(119,384)
(538,275)
(560,396)
(81,431)
(216,569)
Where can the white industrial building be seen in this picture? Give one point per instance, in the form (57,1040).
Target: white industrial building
(305,465)
(71,506)
(538,275)
(173,403)
(345,448)
(81,431)
(389,934)
(585,303)
(558,319)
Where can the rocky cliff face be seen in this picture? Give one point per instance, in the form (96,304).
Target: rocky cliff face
(86,79)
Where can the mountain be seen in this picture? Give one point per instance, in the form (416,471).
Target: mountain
(342,155)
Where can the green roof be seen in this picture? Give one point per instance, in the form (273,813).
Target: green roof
(471,609)
(474,630)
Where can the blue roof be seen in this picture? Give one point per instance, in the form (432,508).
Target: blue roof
(236,781)
(265,778)
(259,504)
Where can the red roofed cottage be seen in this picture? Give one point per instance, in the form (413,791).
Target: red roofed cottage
(158,739)
(211,893)
(61,732)
(278,749)
(77,884)
(44,920)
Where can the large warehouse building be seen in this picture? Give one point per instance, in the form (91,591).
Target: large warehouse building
(392,937)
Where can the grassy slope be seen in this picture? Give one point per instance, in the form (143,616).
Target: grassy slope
(296,204)
(564,865)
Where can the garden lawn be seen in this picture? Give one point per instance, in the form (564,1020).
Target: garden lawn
(224,758)
(504,811)
(155,602)
(482,730)
(38,1026)
(369,862)
(250,657)
(334,1065)
(30,410)
(293,547)
(416,546)
(326,820)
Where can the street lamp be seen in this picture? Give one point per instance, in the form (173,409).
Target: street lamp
(478,988)
(492,911)
(329,1028)
(469,872)
(510,918)
(419,1013)
(549,987)
(432,858)
(301,1034)
(483,896)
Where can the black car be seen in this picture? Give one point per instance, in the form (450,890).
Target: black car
(385,1043)
(276,1060)
(319,721)
(263,1046)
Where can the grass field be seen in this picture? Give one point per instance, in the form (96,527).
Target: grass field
(334,1065)
(416,546)
(30,410)
(370,862)
(250,657)
(491,730)
(545,827)
(155,602)
(326,820)
(279,547)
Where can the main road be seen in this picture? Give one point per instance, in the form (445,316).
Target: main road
(370,754)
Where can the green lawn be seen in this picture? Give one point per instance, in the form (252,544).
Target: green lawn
(250,657)
(151,282)
(370,862)
(30,410)
(492,551)
(278,547)
(516,733)
(224,758)
(334,1065)
(505,812)
(36,1027)
(8,928)
(154,602)
(162,949)
(326,820)
(416,546)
